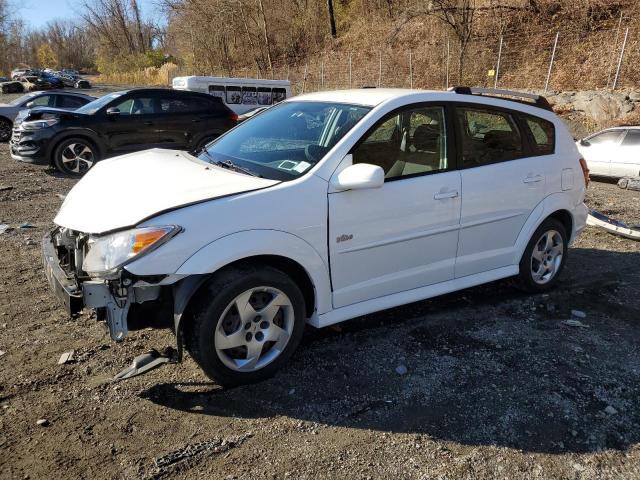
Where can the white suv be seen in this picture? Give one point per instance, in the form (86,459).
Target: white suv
(320,209)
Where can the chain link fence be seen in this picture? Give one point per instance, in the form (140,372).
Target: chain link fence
(560,60)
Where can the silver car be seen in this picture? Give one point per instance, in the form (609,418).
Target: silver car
(62,100)
(614,152)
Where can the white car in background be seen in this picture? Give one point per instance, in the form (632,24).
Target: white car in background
(614,152)
(325,207)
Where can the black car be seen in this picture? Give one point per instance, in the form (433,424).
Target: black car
(74,81)
(118,123)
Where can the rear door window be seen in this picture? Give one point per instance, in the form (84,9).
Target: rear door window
(487,136)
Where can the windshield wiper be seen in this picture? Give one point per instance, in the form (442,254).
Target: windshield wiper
(232,166)
(228,164)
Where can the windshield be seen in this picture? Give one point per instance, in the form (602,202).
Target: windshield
(92,107)
(286,140)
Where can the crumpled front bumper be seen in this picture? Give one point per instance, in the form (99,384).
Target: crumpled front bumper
(87,294)
(64,286)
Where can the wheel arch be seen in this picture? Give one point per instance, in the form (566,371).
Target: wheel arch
(565,218)
(185,291)
(278,249)
(83,134)
(555,206)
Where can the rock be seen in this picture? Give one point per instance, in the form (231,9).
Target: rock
(66,357)
(4,228)
(610,410)
(578,314)
(602,106)
(401,370)
(2,352)
(575,323)
(5,188)
(43,422)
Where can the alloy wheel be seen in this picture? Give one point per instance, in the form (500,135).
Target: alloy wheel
(546,257)
(254,329)
(77,157)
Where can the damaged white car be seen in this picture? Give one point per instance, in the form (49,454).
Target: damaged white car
(323,208)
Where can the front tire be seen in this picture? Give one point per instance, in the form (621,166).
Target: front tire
(75,156)
(245,324)
(544,257)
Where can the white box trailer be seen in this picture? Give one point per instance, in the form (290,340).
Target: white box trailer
(239,94)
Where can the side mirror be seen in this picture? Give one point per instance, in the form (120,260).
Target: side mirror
(584,143)
(359,176)
(30,105)
(113,111)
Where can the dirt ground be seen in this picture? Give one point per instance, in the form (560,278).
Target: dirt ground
(496,384)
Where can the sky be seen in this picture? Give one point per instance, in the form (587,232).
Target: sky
(38,12)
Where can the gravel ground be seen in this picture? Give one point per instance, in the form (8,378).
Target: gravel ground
(497,385)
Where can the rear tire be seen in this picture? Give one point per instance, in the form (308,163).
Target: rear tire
(75,156)
(544,257)
(5,130)
(244,324)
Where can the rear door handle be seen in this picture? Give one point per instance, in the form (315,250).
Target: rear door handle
(445,195)
(148,122)
(533,179)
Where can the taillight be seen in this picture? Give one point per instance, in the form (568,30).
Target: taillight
(233,116)
(585,171)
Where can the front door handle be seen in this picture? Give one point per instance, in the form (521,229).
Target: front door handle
(148,122)
(445,195)
(533,179)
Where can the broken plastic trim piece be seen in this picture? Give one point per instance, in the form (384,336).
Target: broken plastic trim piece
(616,227)
(146,362)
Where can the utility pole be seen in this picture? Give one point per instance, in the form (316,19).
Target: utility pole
(495,81)
(448,52)
(553,56)
(410,69)
(624,45)
(615,44)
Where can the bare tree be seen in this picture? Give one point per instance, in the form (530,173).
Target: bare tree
(459,15)
(332,19)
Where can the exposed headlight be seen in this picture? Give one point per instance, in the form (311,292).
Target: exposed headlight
(107,254)
(39,124)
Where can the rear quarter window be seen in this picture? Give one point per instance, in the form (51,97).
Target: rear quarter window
(543,135)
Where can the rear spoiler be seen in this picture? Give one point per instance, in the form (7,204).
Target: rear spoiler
(520,97)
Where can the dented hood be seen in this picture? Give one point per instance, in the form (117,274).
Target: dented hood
(123,191)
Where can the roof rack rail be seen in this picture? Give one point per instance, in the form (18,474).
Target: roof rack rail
(520,97)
